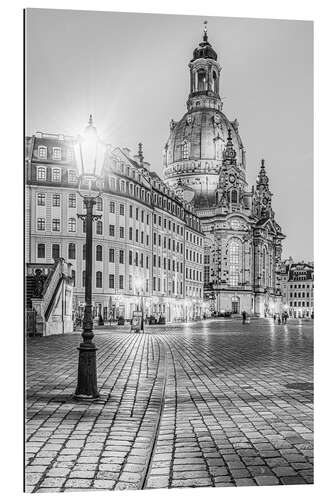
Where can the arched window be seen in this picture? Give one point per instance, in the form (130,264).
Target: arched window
(41,199)
(202,80)
(71,225)
(234,261)
(234,196)
(99,204)
(99,227)
(185,150)
(99,279)
(214,83)
(264,265)
(99,252)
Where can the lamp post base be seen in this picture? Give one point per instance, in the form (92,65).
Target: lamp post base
(86,389)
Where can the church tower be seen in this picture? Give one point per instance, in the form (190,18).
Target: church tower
(204,158)
(194,150)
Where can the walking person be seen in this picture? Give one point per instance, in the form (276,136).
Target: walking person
(274,317)
(244,317)
(279,319)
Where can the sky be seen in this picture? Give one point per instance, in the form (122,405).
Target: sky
(131,72)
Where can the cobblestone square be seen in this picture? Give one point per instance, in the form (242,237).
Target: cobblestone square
(212,403)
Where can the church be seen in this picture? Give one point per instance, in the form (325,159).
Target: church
(204,162)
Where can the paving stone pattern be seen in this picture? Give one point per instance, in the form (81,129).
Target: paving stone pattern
(206,404)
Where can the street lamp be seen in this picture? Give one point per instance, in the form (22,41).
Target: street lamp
(139,286)
(90,157)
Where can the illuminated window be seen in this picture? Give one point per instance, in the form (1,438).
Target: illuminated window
(99,204)
(56,153)
(56,174)
(41,173)
(41,224)
(55,224)
(72,176)
(202,80)
(71,225)
(56,200)
(234,260)
(41,199)
(185,150)
(72,201)
(42,151)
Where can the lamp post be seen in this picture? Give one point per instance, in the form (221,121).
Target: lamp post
(139,288)
(90,157)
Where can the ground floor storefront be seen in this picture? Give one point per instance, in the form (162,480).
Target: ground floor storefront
(155,308)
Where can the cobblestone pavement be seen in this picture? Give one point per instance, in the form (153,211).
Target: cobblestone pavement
(215,403)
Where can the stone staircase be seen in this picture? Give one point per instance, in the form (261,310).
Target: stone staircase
(48,298)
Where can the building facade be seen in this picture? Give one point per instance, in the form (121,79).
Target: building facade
(148,242)
(204,161)
(298,292)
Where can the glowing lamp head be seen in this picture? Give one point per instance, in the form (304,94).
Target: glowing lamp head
(90,153)
(139,283)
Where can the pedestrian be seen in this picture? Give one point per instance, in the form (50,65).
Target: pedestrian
(279,319)
(274,318)
(244,317)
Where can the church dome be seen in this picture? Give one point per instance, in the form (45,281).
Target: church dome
(196,144)
(194,151)
(204,134)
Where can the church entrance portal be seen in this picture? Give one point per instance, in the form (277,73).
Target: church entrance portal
(235,305)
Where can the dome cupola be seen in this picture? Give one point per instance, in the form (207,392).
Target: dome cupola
(205,50)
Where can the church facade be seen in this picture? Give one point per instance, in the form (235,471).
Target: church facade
(204,162)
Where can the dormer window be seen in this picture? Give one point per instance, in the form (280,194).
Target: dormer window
(56,153)
(42,152)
